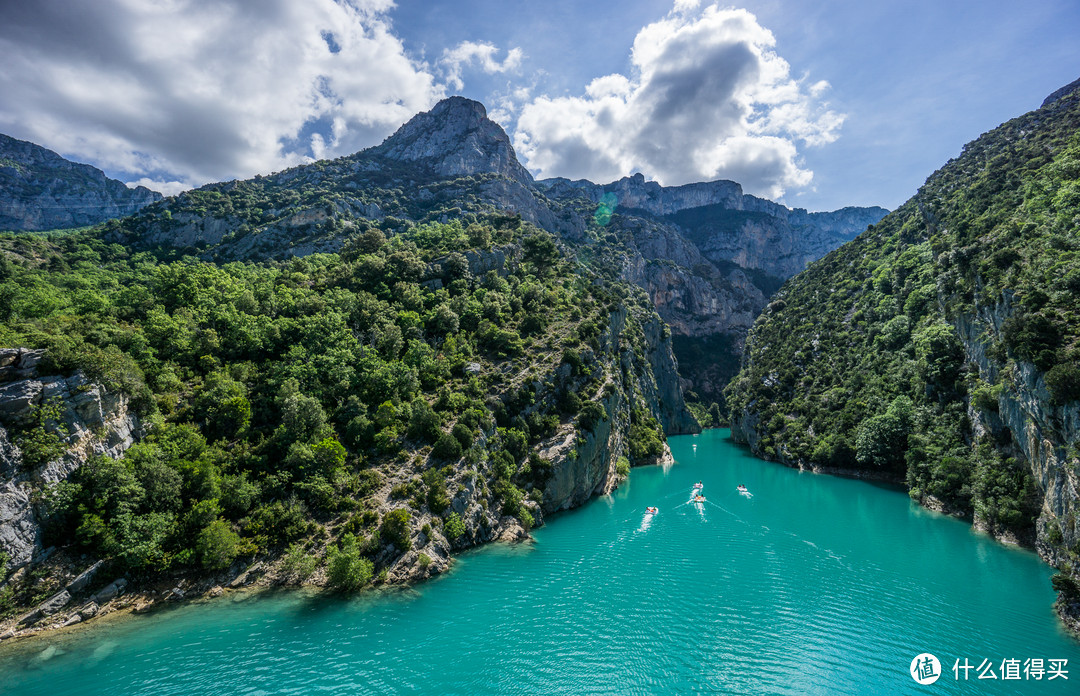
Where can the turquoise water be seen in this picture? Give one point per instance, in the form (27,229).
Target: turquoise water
(815,585)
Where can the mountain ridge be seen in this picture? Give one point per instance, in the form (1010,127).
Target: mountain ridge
(453,162)
(41,190)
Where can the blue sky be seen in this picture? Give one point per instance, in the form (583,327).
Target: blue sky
(819,104)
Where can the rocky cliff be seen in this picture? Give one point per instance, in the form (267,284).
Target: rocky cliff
(40,190)
(455,138)
(91,421)
(727,225)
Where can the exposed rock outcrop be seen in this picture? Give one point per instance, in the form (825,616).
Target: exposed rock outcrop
(93,421)
(727,225)
(455,138)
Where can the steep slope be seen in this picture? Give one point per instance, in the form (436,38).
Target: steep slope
(941,346)
(710,256)
(40,190)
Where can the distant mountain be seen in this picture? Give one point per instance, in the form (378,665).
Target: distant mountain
(727,225)
(708,255)
(40,190)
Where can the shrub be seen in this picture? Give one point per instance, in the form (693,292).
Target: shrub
(447,447)
(1063,381)
(346,569)
(217,545)
(463,434)
(1067,586)
(882,440)
(424,423)
(395,529)
(43,441)
(438,499)
(453,527)
(299,562)
(591,415)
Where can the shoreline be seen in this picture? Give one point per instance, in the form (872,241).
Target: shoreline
(260,576)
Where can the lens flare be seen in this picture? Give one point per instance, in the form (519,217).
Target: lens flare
(608,202)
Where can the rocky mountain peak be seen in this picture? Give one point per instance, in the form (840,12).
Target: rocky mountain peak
(1066,90)
(455,138)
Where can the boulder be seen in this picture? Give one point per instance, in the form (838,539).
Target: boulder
(55,603)
(109,591)
(79,584)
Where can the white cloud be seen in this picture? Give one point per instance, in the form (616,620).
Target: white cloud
(708,98)
(167,188)
(188,91)
(467,53)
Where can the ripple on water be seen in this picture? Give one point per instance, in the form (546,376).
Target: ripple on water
(815,585)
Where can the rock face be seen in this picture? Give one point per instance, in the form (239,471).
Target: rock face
(40,190)
(727,225)
(1038,428)
(585,463)
(455,138)
(96,421)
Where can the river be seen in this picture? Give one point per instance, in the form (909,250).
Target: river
(814,585)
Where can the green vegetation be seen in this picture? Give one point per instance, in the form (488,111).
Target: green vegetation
(299,563)
(279,396)
(346,569)
(858,362)
(454,527)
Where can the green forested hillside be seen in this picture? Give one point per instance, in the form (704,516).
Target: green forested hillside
(335,401)
(940,346)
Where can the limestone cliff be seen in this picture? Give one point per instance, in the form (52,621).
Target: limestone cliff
(727,225)
(92,421)
(40,190)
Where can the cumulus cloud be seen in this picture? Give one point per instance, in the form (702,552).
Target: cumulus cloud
(482,54)
(181,92)
(167,188)
(708,98)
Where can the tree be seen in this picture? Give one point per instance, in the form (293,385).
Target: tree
(302,419)
(299,563)
(141,540)
(541,252)
(882,440)
(714,415)
(1063,381)
(43,441)
(395,529)
(217,545)
(940,355)
(447,447)
(346,569)
(438,499)
(591,415)
(454,528)
(424,423)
